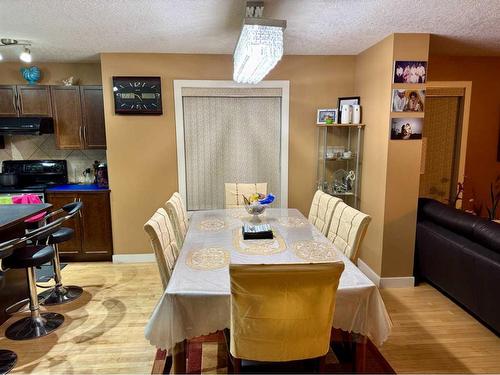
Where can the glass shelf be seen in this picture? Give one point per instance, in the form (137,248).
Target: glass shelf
(335,139)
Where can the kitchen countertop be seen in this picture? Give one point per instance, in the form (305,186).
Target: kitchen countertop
(77,187)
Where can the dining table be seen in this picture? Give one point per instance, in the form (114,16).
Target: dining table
(197,299)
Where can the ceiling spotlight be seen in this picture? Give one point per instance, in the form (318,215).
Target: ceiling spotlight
(25,55)
(8,42)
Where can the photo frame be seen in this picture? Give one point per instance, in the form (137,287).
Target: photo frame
(324,114)
(351,100)
(407,128)
(410,72)
(404,100)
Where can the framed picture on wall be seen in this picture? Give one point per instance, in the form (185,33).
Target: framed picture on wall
(326,116)
(410,72)
(406,129)
(408,100)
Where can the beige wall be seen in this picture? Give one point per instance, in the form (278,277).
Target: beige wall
(373,85)
(142,149)
(391,169)
(403,178)
(52,73)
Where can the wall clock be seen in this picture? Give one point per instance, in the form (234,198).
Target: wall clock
(137,95)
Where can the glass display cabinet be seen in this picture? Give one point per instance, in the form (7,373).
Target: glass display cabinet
(340,159)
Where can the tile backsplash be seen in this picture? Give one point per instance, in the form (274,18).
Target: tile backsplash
(23,147)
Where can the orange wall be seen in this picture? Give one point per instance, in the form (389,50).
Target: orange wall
(481,165)
(142,153)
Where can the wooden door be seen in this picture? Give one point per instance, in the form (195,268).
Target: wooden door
(34,101)
(94,134)
(73,247)
(96,224)
(8,101)
(67,115)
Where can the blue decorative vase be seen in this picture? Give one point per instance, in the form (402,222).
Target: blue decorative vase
(31,74)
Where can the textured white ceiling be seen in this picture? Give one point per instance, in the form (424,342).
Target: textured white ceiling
(78,30)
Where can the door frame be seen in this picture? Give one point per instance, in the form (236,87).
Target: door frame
(179,126)
(467,86)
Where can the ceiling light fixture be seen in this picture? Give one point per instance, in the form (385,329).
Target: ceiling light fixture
(259,47)
(25,56)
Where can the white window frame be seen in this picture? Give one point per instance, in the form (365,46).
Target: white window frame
(179,126)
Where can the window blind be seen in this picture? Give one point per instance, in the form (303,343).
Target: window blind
(230,139)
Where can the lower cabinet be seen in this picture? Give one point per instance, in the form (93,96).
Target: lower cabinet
(93,239)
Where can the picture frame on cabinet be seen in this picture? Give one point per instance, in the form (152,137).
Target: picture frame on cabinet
(326,116)
(349,100)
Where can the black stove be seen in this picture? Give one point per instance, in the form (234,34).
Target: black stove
(34,176)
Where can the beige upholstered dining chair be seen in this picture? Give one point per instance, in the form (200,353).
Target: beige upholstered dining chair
(281,312)
(321,212)
(164,244)
(177,212)
(347,229)
(236,191)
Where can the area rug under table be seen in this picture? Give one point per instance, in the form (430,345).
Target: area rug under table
(208,355)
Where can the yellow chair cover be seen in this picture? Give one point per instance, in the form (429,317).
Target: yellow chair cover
(163,242)
(322,207)
(236,191)
(176,210)
(347,229)
(282,312)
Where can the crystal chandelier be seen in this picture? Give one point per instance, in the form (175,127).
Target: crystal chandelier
(259,47)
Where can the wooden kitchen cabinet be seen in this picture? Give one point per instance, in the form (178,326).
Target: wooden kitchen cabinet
(8,100)
(94,134)
(67,115)
(93,237)
(25,101)
(34,100)
(78,113)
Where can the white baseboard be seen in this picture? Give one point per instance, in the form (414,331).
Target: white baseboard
(134,258)
(397,282)
(385,282)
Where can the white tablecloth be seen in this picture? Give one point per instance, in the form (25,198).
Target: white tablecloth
(197,301)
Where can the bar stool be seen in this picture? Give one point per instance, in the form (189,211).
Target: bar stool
(8,358)
(61,294)
(25,254)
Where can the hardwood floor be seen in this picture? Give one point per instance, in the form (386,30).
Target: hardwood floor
(431,334)
(104,330)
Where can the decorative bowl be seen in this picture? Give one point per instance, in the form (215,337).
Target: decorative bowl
(256,209)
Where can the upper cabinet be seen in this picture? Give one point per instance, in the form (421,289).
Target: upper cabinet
(78,113)
(25,101)
(94,134)
(34,101)
(8,101)
(67,115)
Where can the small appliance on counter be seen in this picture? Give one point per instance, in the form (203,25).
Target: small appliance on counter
(101,175)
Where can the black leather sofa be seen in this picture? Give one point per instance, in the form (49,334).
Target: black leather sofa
(460,255)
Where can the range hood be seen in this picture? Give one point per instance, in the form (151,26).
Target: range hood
(26,125)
